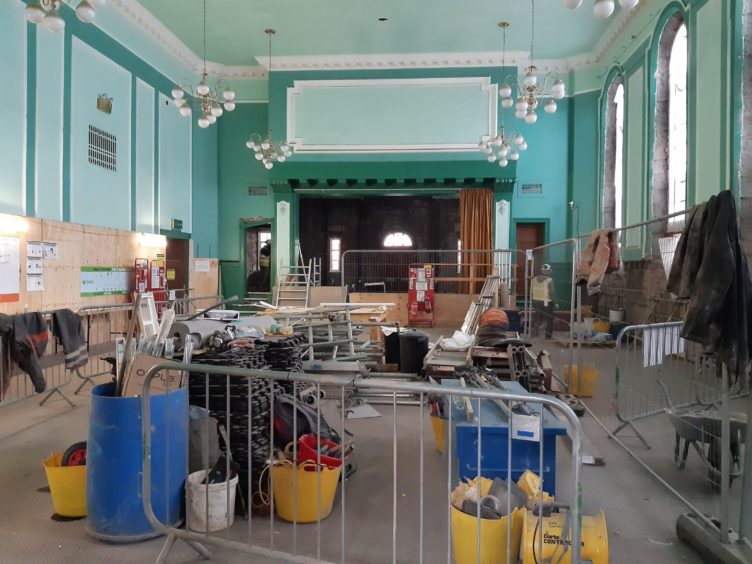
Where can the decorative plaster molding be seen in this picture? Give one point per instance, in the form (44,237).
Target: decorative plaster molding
(153,27)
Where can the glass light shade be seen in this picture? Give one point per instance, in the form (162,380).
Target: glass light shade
(550,107)
(85,11)
(177,92)
(505,91)
(523,146)
(249,144)
(202,88)
(519,114)
(603,8)
(531,79)
(558,89)
(53,21)
(211,117)
(179,102)
(185,110)
(268,165)
(503,162)
(98,3)
(288,154)
(531,117)
(519,139)
(491,158)
(489,149)
(35,13)
(482,146)
(265,145)
(628,4)
(203,121)
(217,110)
(572,4)
(532,103)
(229,106)
(504,151)
(514,155)
(284,147)
(497,142)
(228,94)
(282,158)
(507,102)
(521,104)
(259,156)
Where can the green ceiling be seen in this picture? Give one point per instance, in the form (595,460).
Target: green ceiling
(351,27)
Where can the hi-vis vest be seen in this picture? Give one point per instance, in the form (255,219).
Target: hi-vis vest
(541,289)
(263,261)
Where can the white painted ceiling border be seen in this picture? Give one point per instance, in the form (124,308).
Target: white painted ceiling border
(152,26)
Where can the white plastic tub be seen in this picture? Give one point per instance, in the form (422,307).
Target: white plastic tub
(221,515)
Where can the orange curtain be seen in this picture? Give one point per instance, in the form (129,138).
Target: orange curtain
(476,233)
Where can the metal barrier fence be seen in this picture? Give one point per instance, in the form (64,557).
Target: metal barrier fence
(183,303)
(456,271)
(101,325)
(414,523)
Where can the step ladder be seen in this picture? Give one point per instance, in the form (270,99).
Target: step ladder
(293,286)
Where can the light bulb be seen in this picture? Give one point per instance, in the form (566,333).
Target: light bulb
(550,107)
(558,89)
(504,151)
(288,154)
(521,104)
(203,121)
(491,158)
(519,139)
(202,88)
(503,162)
(514,155)
(177,92)
(603,8)
(211,117)
(505,91)
(229,106)
(179,102)
(531,117)
(53,21)
(259,156)
(497,142)
(628,4)
(282,158)
(265,145)
(523,146)
(217,110)
(507,102)
(249,144)
(531,79)
(572,4)
(284,147)
(98,3)
(185,110)
(228,94)
(519,114)
(85,11)
(268,165)
(35,13)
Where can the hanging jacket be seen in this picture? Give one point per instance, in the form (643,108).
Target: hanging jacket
(600,257)
(543,289)
(67,328)
(710,270)
(25,336)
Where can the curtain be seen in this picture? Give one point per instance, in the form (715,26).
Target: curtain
(476,233)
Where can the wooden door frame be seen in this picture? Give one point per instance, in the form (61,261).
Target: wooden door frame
(516,220)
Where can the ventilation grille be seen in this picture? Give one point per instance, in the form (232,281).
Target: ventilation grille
(102,148)
(258,190)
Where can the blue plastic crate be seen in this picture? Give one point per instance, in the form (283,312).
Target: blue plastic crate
(494,430)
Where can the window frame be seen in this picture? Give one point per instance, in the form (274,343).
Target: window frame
(395,235)
(338,250)
(610,133)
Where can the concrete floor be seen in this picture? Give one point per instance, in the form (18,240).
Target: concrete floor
(640,514)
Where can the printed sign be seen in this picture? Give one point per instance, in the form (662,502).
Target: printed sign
(526,427)
(105,280)
(532,188)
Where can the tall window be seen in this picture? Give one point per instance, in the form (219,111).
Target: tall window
(669,184)
(398,239)
(613,194)
(263,237)
(335,253)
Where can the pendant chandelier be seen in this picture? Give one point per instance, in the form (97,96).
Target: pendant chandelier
(533,90)
(46,12)
(264,148)
(506,146)
(206,99)
(602,8)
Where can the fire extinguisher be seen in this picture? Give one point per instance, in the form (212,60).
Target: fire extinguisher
(142,275)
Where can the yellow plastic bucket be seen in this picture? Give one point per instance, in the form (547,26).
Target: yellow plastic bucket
(589,381)
(601,326)
(307,490)
(438,432)
(493,536)
(67,486)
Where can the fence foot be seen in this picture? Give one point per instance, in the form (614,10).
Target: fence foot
(629,424)
(54,391)
(705,540)
(200,548)
(170,542)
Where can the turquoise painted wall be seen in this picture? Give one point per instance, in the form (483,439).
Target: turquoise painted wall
(44,166)
(583,169)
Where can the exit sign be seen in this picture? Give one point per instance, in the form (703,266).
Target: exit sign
(177,224)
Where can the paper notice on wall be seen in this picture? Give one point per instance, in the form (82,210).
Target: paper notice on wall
(34,249)
(202,265)
(34,283)
(50,251)
(526,427)
(33,265)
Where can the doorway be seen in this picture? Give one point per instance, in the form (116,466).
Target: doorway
(528,235)
(257,258)
(176,263)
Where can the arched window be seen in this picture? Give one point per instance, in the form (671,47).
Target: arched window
(398,239)
(613,193)
(670,146)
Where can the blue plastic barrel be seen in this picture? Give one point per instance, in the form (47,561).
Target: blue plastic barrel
(114,464)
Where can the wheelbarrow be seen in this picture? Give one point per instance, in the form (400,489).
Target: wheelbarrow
(702,429)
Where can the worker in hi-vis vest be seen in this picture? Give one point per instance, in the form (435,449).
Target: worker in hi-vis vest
(544,302)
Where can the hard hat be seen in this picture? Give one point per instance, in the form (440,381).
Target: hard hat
(546,268)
